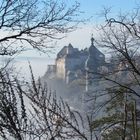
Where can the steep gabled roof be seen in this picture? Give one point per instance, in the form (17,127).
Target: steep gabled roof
(95,57)
(68,51)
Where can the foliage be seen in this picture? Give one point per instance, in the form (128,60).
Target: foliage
(119,117)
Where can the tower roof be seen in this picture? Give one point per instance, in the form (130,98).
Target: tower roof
(94,57)
(92,40)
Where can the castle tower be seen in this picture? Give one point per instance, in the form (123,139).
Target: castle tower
(92,40)
(69,49)
(94,61)
(89,65)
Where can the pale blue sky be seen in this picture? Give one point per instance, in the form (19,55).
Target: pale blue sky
(81,37)
(94,7)
(117,4)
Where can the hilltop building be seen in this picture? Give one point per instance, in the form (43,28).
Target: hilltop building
(72,63)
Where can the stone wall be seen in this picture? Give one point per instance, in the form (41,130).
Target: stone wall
(60,68)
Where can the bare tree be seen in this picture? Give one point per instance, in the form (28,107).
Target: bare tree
(120,37)
(25,24)
(32,111)
(54,118)
(32,24)
(13,117)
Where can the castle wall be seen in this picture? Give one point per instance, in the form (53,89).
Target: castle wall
(70,60)
(60,68)
(73,64)
(63,65)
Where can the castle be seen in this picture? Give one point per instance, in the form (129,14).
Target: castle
(72,63)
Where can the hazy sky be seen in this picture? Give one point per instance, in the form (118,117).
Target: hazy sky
(81,37)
